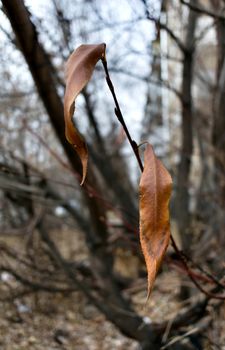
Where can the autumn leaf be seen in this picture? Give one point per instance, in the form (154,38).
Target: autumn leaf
(79,69)
(155,191)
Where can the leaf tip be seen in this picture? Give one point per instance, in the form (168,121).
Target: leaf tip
(83,154)
(84,174)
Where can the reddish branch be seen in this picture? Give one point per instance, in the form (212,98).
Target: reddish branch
(134,147)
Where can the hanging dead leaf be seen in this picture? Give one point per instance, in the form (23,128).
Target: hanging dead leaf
(155,191)
(79,69)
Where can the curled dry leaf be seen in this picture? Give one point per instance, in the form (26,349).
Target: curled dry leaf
(79,69)
(155,191)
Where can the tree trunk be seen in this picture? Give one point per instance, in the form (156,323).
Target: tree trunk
(183,177)
(218,137)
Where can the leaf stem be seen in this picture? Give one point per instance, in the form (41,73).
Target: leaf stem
(119,116)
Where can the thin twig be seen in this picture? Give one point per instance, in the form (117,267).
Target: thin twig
(212,278)
(204,10)
(164,27)
(119,115)
(189,272)
(134,147)
(194,330)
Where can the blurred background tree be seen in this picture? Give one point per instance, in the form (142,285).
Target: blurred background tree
(167,61)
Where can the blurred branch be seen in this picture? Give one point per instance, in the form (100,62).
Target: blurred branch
(148,80)
(16,95)
(34,285)
(163,27)
(7,34)
(203,10)
(202,326)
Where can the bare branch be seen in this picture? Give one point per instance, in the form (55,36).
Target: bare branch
(164,27)
(203,10)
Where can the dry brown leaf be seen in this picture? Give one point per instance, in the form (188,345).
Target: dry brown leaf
(155,191)
(79,69)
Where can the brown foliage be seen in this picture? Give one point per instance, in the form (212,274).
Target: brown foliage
(155,191)
(155,184)
(79,69)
